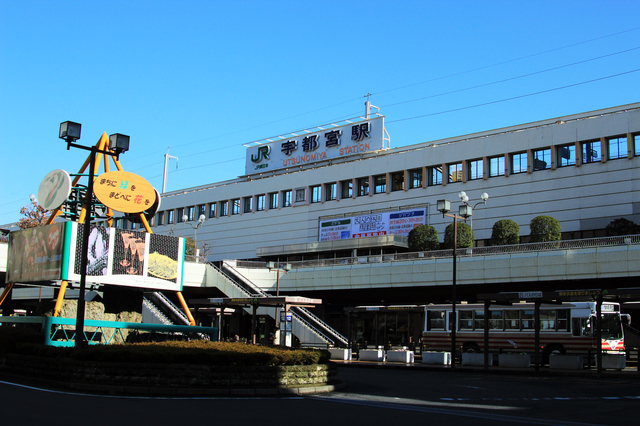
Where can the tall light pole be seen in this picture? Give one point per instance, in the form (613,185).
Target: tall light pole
(70,132)
(465,211)
(195,227)
(465,200)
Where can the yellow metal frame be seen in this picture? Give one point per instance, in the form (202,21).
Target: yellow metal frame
(101,145)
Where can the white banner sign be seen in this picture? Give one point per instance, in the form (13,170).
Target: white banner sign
(372,225)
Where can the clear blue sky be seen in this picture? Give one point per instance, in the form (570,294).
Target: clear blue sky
(204,77)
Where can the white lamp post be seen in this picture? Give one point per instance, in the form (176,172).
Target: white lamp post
(195,227)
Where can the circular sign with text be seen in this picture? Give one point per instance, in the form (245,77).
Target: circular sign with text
(124,192)
(54,189)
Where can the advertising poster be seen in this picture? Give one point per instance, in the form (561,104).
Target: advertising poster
(372,225)
(36,254)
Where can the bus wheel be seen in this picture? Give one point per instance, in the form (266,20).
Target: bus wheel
(471,348)
(552,350)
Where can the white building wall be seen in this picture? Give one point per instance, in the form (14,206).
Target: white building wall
(583,197)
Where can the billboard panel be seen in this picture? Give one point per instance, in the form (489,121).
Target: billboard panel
(36,254)
(372,225)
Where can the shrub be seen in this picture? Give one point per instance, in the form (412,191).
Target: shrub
(545,228)
(622,226)
(423,238)
(12,337)
(466,237)
(505,231)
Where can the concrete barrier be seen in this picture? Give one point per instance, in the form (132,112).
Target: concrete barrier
(371,355)
(514,360)
(400,356)
(613,362)
(472,359)
(436,358)
(566,362)
(341,354)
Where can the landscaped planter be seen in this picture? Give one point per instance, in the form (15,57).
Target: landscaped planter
(472,358)
(514,360)
(341,354)
(613,362)
(566,362)
(400,356)
(371,355)
(436,358)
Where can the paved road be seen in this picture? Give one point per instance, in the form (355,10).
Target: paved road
(373,396)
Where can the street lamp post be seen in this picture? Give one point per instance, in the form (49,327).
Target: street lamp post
(70,132)
(195,227)
(465,211)
(465,200)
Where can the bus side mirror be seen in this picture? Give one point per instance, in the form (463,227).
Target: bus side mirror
(626,319)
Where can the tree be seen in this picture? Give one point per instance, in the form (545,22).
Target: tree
(622,226)
(545,228)
(505,231)
(466,237)
(33,214)
(189,246)
(423,238)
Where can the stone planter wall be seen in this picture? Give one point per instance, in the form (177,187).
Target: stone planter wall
(167,375)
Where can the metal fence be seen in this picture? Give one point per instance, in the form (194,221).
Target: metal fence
(462,252)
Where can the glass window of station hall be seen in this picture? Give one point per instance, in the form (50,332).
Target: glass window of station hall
(476,169)
(542,159)
(160,219)
(496,166)
(435,176)
(224,208)
(566,155)
(170,216)
(617,147)
(212,210)
(397,181)
(519,163)
(636,145)
(301,195)
(331,191)
(179,214)
(454,172)
(380,184)
(287,198)
(415,178)
(316,194)
(201,210)
(260,202)
(346,189)
(247,205)
(363,186)
(274,199)
(235,206)
(591,152)
(191,212)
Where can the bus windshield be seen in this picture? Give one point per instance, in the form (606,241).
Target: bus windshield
(611,327)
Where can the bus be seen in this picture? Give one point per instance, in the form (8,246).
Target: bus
(564,328)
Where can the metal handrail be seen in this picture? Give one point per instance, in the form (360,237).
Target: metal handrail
(323,324)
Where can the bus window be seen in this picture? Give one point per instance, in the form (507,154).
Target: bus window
(528,317)
(581,327)
(611,328)
(547,320)
(478,321)
(465,321)
(512,319)
(435,320)
(496,322)
(563,323)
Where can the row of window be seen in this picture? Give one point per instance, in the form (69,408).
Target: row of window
(512,319)
(583,152)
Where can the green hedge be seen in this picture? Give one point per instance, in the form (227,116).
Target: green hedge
(14,340)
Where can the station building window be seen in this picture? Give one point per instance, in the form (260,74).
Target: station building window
(415,178)
(566,155)
(542,159)
(496,166)
(397,181)
(331,191)
(191,212)
(179,213)
(235,206)
(171,217)
(519,163)
(476,169)
(454,172)
(260,202)
(435,176)
(301,195)
(247,205)
(591,152)
(380,184)
(363,186)
(316,194)
(287,198)
(636,145)
(159,219)
(201,210)
(274,200)
(346,189)
(224,208)
(212,210)
(617,147)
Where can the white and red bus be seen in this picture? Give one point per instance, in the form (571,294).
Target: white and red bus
(564,328)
